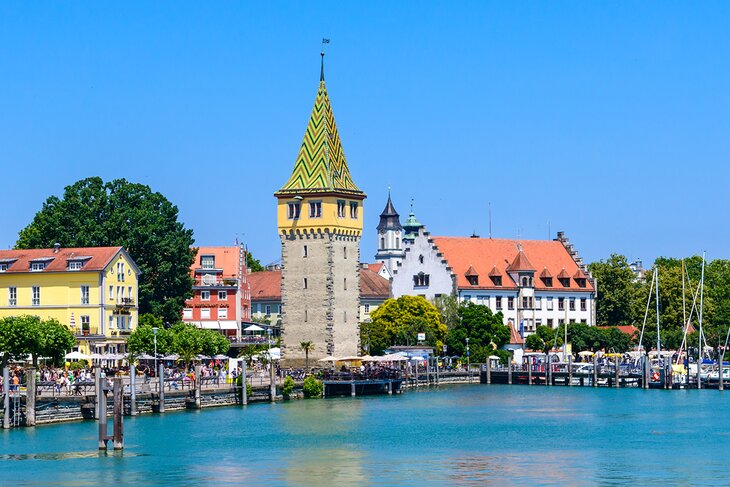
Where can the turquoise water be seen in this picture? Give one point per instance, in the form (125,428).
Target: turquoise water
(454,435)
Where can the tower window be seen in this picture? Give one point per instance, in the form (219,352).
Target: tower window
(420,259)
(340,209)
(353,209)
(304,251)
(344,252)
(305,283)
(306,315)
(315,209)
(421,280)
(382,243)
(344,316)
(397,242)
(293,211)
(345,283)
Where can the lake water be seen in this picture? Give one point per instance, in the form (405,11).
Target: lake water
(453,435)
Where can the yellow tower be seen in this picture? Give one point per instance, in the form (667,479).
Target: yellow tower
(320,219)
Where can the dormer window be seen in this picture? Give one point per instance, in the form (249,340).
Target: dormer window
(581,282)
(548,281)
(496,280)
(207,261)
(473,280)
(75,265)
(565,282)
(3,267)
(37,266)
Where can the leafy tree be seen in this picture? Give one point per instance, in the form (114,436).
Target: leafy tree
(93,213)
(306,347)
(56,341)
(287,387)
(25,335)
(617,288)
(448,306)
(374,339)
(253,264)
(214,343)
(544,339)
(187,341)
(485,330)
(400,320)
(142,340)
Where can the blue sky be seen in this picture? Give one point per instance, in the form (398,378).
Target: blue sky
(609,120)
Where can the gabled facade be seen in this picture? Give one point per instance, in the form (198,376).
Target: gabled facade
(221,294)
(390,237)
(531,282)
(320,215)
(93,291)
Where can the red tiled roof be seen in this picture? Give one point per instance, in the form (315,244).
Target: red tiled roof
(563,274)
(376,267)
(579,275)
(485,253)
(470,272)
(545,274)
(226,258)
(514,336)
(95,258)
(266,285)
(628,329)
(520,263)
(373,285)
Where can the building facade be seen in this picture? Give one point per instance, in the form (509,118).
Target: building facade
(320,214)
(390,237)
(221,293)
(266,302)
(91,290)
(531,282)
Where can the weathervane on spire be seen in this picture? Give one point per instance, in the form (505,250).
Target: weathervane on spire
(321,74)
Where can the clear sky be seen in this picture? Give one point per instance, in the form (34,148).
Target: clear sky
(609,120)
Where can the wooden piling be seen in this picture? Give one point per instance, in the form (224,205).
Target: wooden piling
(132,390)
(161,382)
(549,371)
(645,372)
(97,388)
(198,385)
(509,371)
(570,369)
(244,392)
(617,373)
(390,387)
(102,419)
(352,389)
(272,380)
(30,396)
(118,391)
(489,371)
(6,398)
(529,373)
(595,370)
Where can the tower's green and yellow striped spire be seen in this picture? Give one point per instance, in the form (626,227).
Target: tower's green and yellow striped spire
(321,164)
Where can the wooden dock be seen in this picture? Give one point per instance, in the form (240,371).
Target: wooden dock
(361,387)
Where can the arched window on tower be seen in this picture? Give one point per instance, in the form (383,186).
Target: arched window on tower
(382,242)
(397,242)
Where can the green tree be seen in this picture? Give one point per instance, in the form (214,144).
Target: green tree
(253,264)
(187,341)
(403,318)
(93,214)
(142,340)
(448,307)
(213,343)
(617,288)
(374,339)
(544,339)
(287,387)
(306,348)
(57,341)
(312,387)
(24,335)
(485,330)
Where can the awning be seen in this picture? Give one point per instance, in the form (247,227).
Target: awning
(253,328)
(228,325)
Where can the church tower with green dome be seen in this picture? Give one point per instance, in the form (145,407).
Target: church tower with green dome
(320,221)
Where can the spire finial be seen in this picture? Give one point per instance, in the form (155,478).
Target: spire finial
(321,72)
(411,205)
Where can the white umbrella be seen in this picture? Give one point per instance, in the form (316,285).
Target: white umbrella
(76,356)
(328,358)
(585,353)
(417,358)
(349,359)
(394,357)
(253,328)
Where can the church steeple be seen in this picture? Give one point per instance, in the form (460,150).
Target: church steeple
(389,218)
(321,164)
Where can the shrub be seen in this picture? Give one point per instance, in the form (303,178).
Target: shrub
(249,389)
(288,387)
(312,387)
(81,364)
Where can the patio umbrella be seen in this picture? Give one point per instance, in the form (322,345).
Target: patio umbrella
(349,359)
(220,356)
(394,357)
(585,353)
(174,356)
(328,358)
(253,328)
(75,356)
(368,358)
(144,356)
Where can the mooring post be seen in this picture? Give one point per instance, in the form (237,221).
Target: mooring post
(595,370)
(272,381)
(570,369)
(132,390)
(97,387)
(6,398)
(489,371)
(390,387)
(30,396)
(509,369)
(161,395)
(645,372)
(352,389)
(118,439)
(101,399)
(549,371)
(244,392)
(529,372)
(438,378)
(721,384)
(617,372)
(198,386)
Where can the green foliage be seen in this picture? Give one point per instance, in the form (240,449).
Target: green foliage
(253,264)
(288,386)
(617,291)
(25,335)
(448,307)
(78,365)
(93,213)
(485,330)
(183,339)
(307,347)
(398,322)
(544,339)
(312,387)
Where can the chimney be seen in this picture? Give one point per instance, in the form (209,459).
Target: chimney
(56,247)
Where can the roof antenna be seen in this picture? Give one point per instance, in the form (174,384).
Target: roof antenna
(321,73)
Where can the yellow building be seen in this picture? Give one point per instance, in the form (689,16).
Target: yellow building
(91,290)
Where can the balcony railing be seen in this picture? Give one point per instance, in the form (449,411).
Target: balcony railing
(208,281)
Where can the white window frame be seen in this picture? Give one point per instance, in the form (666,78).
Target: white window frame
(354,209)
(538,302)
(205,295)
(204,312)
(188,313)
(207,261)
(12,296)
(549,303)
(3,267)
(222,313)
(267,309)
(75,265)
(37,266)
(315,209)
(85,294)
(222,295)
(367,308)
(36,295)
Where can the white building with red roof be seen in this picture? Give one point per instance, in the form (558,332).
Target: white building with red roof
(531,282)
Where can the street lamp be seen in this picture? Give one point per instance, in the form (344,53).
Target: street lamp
(468,362)
(154,332)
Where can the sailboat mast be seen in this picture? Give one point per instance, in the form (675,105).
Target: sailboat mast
(658,341)
(702,293)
